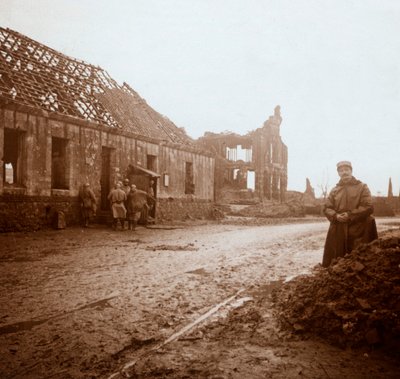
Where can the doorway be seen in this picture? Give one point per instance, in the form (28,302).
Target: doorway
(105,179)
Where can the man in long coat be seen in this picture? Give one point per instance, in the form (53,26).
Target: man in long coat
(117,197)
(349,209)
(137,202)
(126,188)
(88,203)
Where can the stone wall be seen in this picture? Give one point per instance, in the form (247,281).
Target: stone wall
(384,207)
(182,209)
(27,213)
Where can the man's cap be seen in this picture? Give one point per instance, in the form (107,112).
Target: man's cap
(86,185)
(126,180)
(344,163)
(133,186)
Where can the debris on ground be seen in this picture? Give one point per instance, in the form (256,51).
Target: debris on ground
(354,302)
(188,247)
(218,213)
(269,209)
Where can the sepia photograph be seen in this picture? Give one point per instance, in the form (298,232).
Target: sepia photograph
(199,189)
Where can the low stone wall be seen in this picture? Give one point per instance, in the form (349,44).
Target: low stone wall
(181,209)
(27,213)
(383,207)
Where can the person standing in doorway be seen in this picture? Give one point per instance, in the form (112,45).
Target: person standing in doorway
(151,201)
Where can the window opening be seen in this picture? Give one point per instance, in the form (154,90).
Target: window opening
(9,172)
(12,159)
(59,163)
(151,162)
(271,154)
(238,153)
(251,180)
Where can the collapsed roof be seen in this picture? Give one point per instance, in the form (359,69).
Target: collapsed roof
(35,75)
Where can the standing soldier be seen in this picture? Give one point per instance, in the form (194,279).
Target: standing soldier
(349,209)
(137,201)
(88,204)
(117,198)
(151,200)
(126,188)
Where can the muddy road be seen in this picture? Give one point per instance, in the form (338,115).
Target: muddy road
(185,301)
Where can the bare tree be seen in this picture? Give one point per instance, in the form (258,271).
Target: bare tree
(324,184)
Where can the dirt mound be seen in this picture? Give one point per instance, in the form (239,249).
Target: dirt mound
(355,302)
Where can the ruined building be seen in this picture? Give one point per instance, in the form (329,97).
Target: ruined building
(64,122)
(254,163)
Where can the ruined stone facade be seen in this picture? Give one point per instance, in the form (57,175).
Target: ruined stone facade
(64,122)
(256,162)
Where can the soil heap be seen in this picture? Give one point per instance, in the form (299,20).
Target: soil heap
(355,302)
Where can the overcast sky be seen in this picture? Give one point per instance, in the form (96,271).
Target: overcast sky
(215,65)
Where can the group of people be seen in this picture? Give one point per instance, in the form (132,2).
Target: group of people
(126,202)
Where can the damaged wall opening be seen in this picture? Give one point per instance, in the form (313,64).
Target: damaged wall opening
(13,157)
(189,185)
(238,153)
(59,163)
(251,180)
(152,162)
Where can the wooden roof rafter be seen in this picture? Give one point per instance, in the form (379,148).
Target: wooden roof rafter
(34,75)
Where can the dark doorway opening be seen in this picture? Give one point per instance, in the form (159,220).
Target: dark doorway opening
(105,181)
(189,183)
(59,164)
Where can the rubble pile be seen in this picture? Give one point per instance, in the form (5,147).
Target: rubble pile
(355,302)
(270,210)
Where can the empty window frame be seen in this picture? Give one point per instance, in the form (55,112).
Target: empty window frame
(238,153)
(189,183)
(151,162)
(59,163)
(13,160)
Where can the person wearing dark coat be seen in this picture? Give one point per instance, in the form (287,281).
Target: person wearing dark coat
(137,202)
(88,204)
(117,197)
(349,209)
